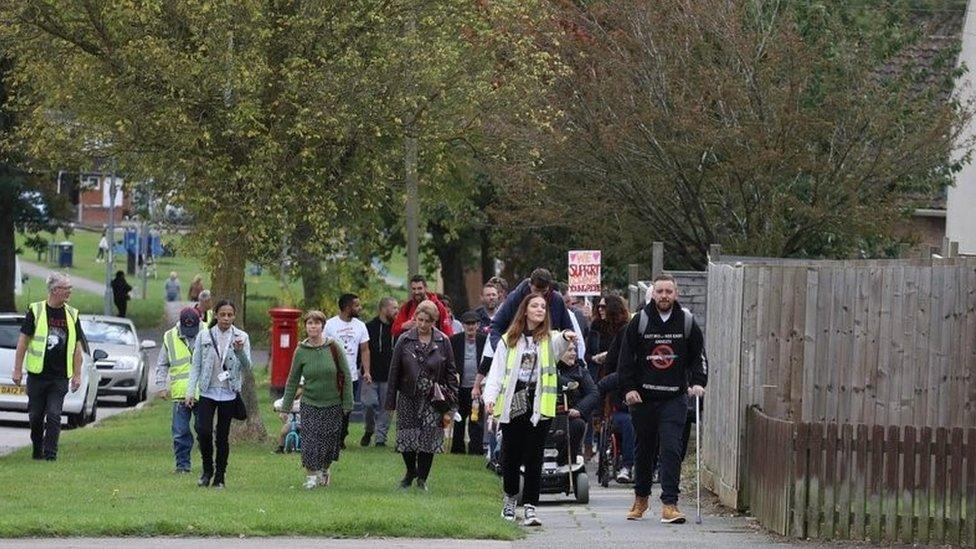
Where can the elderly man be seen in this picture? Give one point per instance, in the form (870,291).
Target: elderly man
(204,307)
(49,348)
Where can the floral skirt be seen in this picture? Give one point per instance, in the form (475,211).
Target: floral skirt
(418,425)
(321,428)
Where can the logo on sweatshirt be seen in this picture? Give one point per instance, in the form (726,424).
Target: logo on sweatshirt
(662,357)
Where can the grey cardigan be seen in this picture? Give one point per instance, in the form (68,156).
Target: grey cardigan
(205,360)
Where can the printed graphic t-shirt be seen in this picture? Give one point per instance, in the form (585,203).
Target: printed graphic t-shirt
(351,334)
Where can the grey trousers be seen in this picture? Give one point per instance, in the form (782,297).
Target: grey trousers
(377,417)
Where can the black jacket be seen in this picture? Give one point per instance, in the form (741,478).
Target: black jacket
(660,363)
(586,397)
(380,348)
(457,344)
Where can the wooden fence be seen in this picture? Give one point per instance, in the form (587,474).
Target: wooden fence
(844,481)
(858,342)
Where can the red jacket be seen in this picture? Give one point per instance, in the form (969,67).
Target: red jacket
(406,314)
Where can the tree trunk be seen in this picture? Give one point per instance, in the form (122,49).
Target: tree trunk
(310,269)
(8,257)
(452,272)
(228,283)
(487,260)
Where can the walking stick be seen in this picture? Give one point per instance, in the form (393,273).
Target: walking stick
(698,519)
(569,443)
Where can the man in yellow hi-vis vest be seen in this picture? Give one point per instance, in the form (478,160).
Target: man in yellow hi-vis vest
(49,347)
(173,365)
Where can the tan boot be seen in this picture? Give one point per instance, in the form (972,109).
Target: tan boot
(671,515)
(638,509)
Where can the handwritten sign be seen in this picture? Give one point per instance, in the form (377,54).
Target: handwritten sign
(584,272)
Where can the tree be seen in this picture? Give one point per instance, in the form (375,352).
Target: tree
(26,203)
(771,127)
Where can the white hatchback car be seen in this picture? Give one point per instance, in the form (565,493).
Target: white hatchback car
(125,369)
(80,407)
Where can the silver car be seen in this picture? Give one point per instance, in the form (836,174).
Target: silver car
(125,369)
(80,407)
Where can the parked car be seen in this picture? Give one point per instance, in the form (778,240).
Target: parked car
(125,369)
(80,407)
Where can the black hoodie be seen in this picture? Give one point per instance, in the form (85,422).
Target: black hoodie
(660,362)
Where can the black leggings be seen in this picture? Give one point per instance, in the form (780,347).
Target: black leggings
(207,408)
(522,444)
(418,464)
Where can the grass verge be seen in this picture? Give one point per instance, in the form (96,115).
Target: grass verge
(114,479)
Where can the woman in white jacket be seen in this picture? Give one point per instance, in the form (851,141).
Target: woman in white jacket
(521,391)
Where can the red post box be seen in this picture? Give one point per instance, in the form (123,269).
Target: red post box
(284,341)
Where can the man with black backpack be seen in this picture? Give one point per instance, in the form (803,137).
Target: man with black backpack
(661,354)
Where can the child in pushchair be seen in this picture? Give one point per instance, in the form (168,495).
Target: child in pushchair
(290,438)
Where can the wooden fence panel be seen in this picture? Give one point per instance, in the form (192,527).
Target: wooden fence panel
(845,481)
(801,459)
(859,528)
(969,530)
(874,492)
(941,457)
(906,505)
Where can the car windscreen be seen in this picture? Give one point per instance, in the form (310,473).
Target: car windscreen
(9,333)
(109,333)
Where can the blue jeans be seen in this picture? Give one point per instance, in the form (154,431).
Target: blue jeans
(623,425)
(182,438)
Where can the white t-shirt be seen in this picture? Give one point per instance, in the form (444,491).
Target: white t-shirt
(352,334)
(665,315)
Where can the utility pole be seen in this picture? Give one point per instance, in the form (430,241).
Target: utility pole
(410,147)
(110,264)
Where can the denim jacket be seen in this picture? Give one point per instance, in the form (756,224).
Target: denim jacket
(205,359)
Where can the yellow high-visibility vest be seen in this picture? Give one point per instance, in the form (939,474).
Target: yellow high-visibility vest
(38,343)
(178,354)
(547,380)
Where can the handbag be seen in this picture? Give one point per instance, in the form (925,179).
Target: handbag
(442,399)
(239,411)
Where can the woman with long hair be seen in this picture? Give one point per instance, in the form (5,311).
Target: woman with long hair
(220,355)
(520,392)
(609,319)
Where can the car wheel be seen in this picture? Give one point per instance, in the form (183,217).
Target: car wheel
(94,412)
(144,387)
(76,421)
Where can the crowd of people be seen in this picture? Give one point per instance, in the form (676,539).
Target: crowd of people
(516,361)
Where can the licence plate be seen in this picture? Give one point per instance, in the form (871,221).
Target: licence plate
(12,390)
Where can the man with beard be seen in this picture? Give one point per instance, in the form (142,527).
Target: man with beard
(489,305)
(418,293)
(660,356)
(346,328)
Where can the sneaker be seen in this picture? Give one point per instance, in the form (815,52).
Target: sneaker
(365,440)
(508,508)
(671,515)
(638,509)
(218,481)
(381,444)
(623,476)
(311,481)
(204,481)
(280,449)
(406,482)
(530,518)
(422,484)
(180,471)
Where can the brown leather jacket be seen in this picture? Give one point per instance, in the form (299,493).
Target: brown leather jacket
(405,369)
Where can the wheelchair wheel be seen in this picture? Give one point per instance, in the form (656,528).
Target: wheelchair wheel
(605,460)
(582,488)
(292,444)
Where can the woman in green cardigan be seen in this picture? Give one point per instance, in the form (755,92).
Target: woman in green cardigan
(327,396)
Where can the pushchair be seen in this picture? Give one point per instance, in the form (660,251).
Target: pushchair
(293,439)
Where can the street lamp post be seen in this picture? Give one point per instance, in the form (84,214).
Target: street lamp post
(110,263)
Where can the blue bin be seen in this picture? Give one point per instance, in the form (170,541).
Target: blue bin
(66,252)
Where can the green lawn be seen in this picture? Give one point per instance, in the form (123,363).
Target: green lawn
(146,314)
(114,479)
